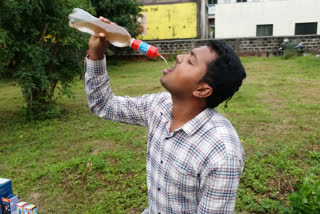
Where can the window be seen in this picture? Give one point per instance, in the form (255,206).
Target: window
(306,28)
(239,1)
(212,1)
(264,30)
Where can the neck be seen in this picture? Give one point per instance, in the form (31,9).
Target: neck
(184,110)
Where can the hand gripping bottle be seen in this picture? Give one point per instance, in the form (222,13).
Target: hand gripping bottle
(116,35)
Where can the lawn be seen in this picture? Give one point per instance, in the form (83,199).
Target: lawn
(79,163)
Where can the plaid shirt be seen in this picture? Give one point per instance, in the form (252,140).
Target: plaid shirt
(195,168)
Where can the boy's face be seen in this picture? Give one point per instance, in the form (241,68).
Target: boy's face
(187,71)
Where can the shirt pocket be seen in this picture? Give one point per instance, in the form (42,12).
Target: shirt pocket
(182,187)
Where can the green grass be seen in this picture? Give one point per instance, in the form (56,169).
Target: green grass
(79,163)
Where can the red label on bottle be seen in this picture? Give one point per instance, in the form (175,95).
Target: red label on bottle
(135,44)
(144,48)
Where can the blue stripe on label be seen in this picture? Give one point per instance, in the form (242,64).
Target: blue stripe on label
(143,47)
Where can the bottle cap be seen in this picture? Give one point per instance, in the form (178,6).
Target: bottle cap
(152,52)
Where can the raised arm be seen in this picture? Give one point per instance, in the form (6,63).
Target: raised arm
(105,104)
(101,100)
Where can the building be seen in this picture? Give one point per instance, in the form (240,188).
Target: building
(212,12)
(265,18)
(174,19)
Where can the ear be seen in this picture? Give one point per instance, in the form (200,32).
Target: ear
(202,91)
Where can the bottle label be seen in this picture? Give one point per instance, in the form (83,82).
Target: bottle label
(143,47)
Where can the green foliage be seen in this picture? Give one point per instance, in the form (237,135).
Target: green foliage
(40,51)
(307,198)
(125,13)
(314,156)
(79,163)
(255,194)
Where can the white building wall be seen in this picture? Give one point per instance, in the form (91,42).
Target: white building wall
(240,19)
(235,1)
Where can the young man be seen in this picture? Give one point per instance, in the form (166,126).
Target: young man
(194,155)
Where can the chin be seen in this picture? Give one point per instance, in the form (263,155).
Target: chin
(163,83)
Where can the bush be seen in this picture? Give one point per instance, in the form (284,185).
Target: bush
(307,198)
(40,51)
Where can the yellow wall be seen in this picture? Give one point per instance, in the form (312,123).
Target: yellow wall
(171,21)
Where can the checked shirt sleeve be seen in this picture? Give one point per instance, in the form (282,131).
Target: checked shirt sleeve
(219,187)
(105,104)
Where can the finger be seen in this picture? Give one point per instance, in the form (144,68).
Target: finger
(105,20)
(95,36)
(102,37)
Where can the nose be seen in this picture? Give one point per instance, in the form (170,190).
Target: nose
(179,58)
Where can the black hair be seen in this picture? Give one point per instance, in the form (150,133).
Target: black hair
(224,75)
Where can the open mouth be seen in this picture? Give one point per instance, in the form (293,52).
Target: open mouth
(166,71)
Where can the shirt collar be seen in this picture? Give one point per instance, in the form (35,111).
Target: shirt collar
(196,123)
(191,126)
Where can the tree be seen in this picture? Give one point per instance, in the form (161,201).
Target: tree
(40,50)
(125,13)
(42,53)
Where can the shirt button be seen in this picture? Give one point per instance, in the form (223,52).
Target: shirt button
(159,188)
(161,162)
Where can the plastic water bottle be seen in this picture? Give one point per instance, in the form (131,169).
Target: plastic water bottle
(115,34)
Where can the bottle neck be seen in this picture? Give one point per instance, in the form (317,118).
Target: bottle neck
(131,41)
(135,44)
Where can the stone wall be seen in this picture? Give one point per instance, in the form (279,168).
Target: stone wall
(255,46)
